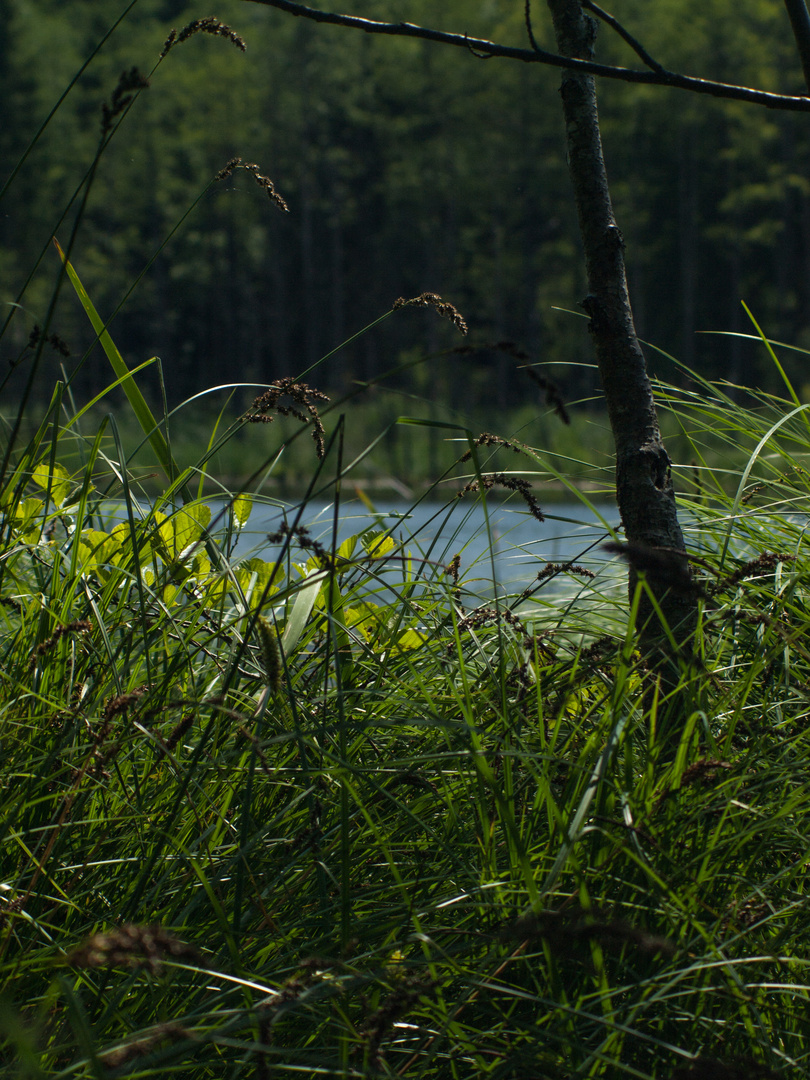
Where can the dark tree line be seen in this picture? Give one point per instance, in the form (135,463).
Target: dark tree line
(407,167)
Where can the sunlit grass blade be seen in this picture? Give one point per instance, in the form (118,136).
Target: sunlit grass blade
(142,412)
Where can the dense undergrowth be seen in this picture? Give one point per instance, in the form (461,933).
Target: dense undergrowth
(340,814)
(350,811)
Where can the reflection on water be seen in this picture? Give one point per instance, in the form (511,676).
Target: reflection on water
(505,544)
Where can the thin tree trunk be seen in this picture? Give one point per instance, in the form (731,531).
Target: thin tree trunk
(643,483)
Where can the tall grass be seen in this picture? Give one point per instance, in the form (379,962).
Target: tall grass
(332,813)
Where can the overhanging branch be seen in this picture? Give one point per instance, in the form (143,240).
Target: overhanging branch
(483,48)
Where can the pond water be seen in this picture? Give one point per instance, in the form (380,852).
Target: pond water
(504,547)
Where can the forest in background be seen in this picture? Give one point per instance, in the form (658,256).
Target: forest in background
(406,168)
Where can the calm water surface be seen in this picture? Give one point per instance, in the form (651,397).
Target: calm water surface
(503,548)
(520,545)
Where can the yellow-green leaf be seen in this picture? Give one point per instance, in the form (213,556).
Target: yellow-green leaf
(346,549)
(242,507)
(215,589)
(26,512)
(411,639)
(253,576)
(363,617)
(101,546)
(189,524)
(380,546)
(57,478)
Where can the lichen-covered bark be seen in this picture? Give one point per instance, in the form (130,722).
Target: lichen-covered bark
(643,483)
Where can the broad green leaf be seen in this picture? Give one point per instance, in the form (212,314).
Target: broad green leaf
(101,546)
(253,576)
(170,594)
(411,639)
(363,617)
(312,566)
(181,531)
(58,479)
(84,559)
(189,525)
(216,588)
(379,546)
(163,537)
(179,572)
(26,512)
(122,534)
(346,549)
(200,565)
(242,507)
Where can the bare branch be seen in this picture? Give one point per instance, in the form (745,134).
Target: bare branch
(483,48)
(614,24)
(529,29)
(800,22)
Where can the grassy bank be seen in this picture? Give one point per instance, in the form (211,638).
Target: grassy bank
(262,819)
(393,459)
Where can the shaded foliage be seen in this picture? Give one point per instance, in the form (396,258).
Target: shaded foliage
(406,168)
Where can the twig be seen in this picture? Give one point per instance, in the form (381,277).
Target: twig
(634,43)
(529,28)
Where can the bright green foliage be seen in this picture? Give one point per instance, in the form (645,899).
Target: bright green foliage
(241,508)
